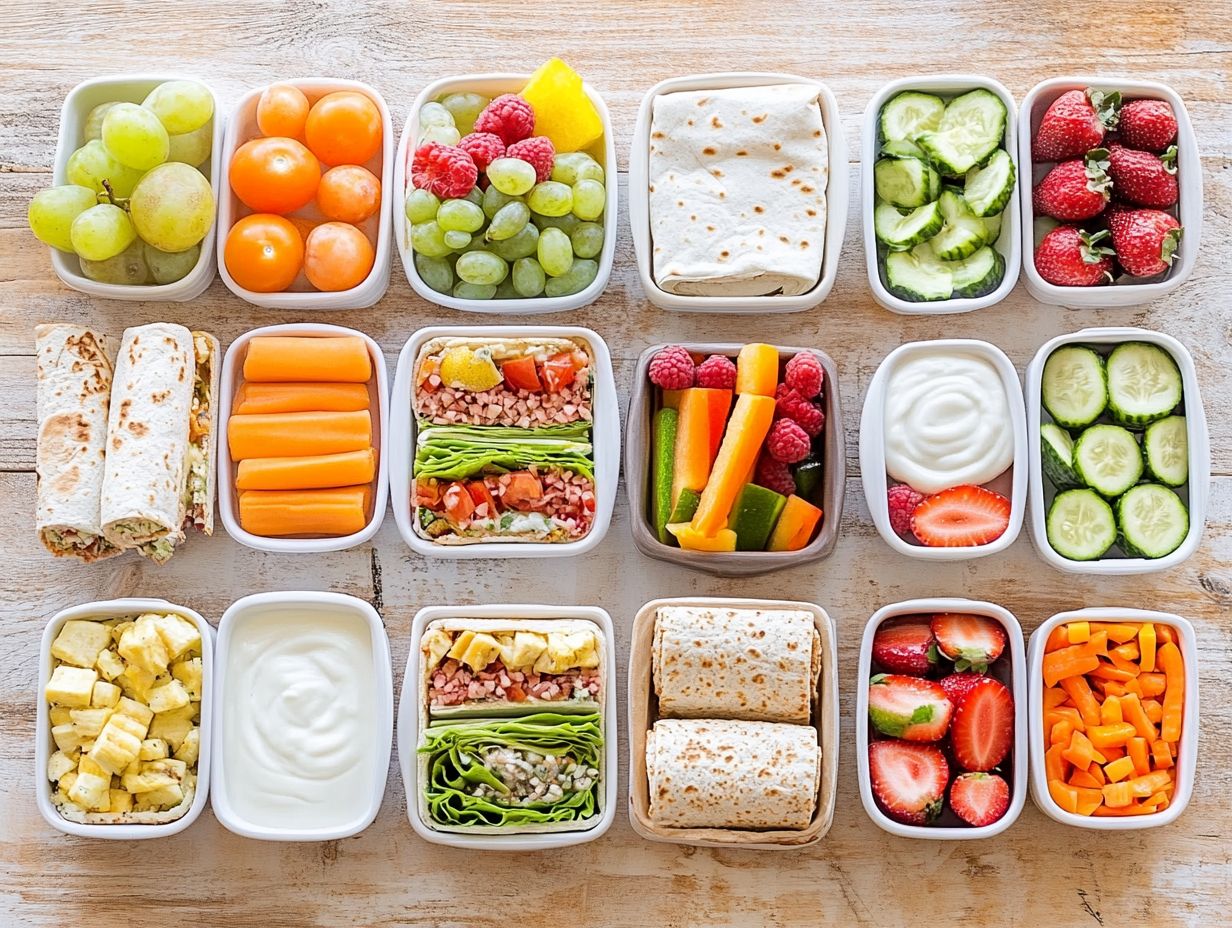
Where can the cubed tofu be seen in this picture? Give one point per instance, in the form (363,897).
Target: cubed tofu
(165,797)
(190,748)
(105,695)
(135,710)
(136,682)
(174,726)
(167,696)
(66,737)
(109,664)
(79,642)
(143,646)
(89,722)
(60,715)
(189,672)
(58,765)
(153,749)
(120,801)
(178,634)
(119,743)
(71,686)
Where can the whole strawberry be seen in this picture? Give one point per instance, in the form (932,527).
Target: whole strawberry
(1070,257)
(1145,240)
(1074,124)
(1148,125)
(1142,177)
(1077,189)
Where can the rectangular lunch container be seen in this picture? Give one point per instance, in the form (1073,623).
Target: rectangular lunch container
(604,151)
(1016,682)
(44,745)
(639,198)
(731,563)
(134,88)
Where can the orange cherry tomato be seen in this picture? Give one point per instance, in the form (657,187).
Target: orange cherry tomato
(264,253)
(282,111)
(337,256)
(344,128)
(277,175)
(349,193)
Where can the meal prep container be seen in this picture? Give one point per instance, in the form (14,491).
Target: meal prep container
(639,198)
(1194,493)
(382,679)
(1016,680)
(1187,750)
(731,563)
(604,151)
(228,497)
(605,436)
(872,450)
(1188,209)
(134,88)
(408,729)
(44,745)
(242,128)
(1009,243)
(644,712)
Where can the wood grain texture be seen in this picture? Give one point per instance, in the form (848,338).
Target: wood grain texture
(1038,872)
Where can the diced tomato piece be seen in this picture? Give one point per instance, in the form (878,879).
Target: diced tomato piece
(515,693)
(481,494)
(458,503)
(523,487)
(426,370)
(558,372)
(427,493)
(521,374)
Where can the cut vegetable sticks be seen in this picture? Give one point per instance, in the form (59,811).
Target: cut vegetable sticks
(297,434)
(1169,657)
(286,359)
(268,398)
(321,471)
(337,511)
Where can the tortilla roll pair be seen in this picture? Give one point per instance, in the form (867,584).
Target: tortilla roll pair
(307,473)
(298,434)
(333,511)
(285,359)
(267,398)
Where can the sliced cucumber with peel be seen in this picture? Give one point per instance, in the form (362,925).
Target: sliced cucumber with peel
(977,275)
(910,113)
(1165,449)
(901,148)
(1074,387)
(1057,457)
(912,279)
(905,182)
(1153,521)
(1107,459)
(900,232)
(1144,383)
(970,130)
(963,233)
(988,188)
(1081,525)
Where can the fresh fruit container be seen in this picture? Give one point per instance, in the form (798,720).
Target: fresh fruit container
(836,198)
(1012,674)
(1183,760)
(228,496)
(1008,242)
(492,85)
(77,105)
(302,295)
(1126,292)
(44,746)
(1195,490)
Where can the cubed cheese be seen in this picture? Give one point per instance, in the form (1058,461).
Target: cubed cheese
(71,686)
(79,642)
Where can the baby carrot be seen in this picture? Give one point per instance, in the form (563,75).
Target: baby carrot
(1054,762)
(1119,632)
(1084,780)
(1164,635)
(1110,711)
(1073,661)
(1055,696)
(1154,710)
(1169,657)
(1058,638)
(1161,754)
(1079,692)
(1061,732)
(1132,712)
(1140,754)
(1080,753)
(1141,787)
(1110,736)
(1064,795)
(1117,795)
(1146,646)
(1089,799)
(1052,716)
(1153,684)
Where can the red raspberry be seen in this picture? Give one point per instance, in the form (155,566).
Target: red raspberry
(508,116)
(804,374)
(902,501)
(717,372)
(774,475)
(789,404)
(787,442)
(483,147)
(443,170)
(538,152)
(671,368)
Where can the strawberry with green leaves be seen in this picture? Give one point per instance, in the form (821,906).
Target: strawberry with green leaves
(1145,240)
(1143,177)
(1069,257)
(1075,123)
(1077,189)
(971,641)
(908,707)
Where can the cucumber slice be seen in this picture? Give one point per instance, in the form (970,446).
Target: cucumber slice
(1080,525)
(992,227)
(1153,521)
(901,148)
(900,232)
(990,187)
(1107,458)
(910,278)
(1165,447)
(1144,383)
(977,275)
(970,130)
(905,182)
(963,232)
(1074,387)
(909,114)
(1057,457)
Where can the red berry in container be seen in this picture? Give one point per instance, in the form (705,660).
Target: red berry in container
(958,685)
(908,780)
(508,116)
(906,647)
(902,501)
(804,374)
(982,731)
(1069,257)
(1075,190)
(1149,125)
(774,475)
(1074,124)
(717,372)
(483,147)
(979,798)
(789,404)
(1143,177)
(671,368)
(787,442)
(537,152)
(444,170)
(1145,240)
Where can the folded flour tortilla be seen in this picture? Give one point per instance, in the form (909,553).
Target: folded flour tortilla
(738,190)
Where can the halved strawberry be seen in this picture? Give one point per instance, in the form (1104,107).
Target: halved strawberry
(972,642)
(961,517)
(983,729)
(979,798)
(905,647)
(908,707)
(908,780)
(958,685)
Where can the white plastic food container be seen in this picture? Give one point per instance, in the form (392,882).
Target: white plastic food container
(44,746)
(1189,207)
(639,198)
(493,85)
(408,729)
(1195,492)
(381,679)
(605,436)
(133,88)
(243,128)
(872,449)
(1187,754)
(228,497)
(1009,243)
(1015,651)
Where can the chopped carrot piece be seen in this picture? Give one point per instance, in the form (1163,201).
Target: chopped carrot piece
(1054,762)
(1110,736)
(1079,692)
(1159,801)
(1110,711)
(1112,688)
(1169,657)
(1064,795)
(1078,632)
(1089,800)
(1132,711)
(1109,672)
(1164,634)
(1161,754)
(1061,732)
(1154,710)
(1139,750)
(1133,808)
(1141,787)
(1146,646)
(1052,716)
(1120,632)
(1057,638)
(1123,663)
(1133,686)
(1080,753)
(1055,696)
(1083,780)
(1097,773)
(1118,795)
(1153,684)
(1119,769)
(1098,643)
(1129,650)
(1069,662)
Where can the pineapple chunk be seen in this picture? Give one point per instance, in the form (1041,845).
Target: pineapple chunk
(66,737)
(120,801)
(189,673)
(168,696)
(567,650)
(476,650)
(178,634)
(119,743)
(136,682)
(66,783)
(60,715)
(89,722)
(79,642)
(137,711)
(190,748)
(144,646)
(91,790)
(174,726)
(109,664)
(155,774)
(58,765)
(118,630)
(523,650)
(90,766)
(105,695)
(165,797)
(153,749)
(71,686)
(435,645)
(563,111)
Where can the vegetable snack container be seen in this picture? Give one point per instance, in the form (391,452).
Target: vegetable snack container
(1196,490)
(242,128)
(1189,207)
(1009,243)
(43,745)
(639,198)
(1187,756)
(492,85)
(1017,683)
(731,563)
(77,105)
(228,497)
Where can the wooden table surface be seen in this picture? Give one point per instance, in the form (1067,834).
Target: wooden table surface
(1037,873)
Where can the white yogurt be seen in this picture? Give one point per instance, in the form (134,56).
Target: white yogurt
(947,421)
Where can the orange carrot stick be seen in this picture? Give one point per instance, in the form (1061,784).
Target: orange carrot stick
(1119,632)
(1164,634)
(1104,671)
(1064,795)
(293,359)
(1061,732)
(1097,773)
(1120,662)
(1153,684)
(1110,711)
(1141,787)
(1079,692)
(1057,638)
(1069,662)
(1078,632)
(298,434)
(1132,809)
(1161,754)
(1146,646)
(1055,696)
(1119,769)
(1054,762)
(1052,716)
(1089,799)
(1110,736)
(1080,753)
(1140,754)
(1154,710)
(348,468)
(1117,795)
(339,511)
(1169,657)
(1131,709)
(265,398)
(1128,651)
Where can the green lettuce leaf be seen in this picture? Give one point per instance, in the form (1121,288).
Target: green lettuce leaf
(456,453)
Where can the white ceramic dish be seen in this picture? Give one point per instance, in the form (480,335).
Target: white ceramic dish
(382,680)
(493,85)
(639,198)
(1015,651)
(133,88)
(1009,243)
(241,128)
(1189,212)
(1195,493)
(1187,755)
(605,437)
(228,499)
(408,729)
(872,449)
(44,746)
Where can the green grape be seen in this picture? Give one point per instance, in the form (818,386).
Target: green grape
(192,147)
(444,135)
(511,175)
(457,240)
(522,245)
(421,206)
(166,267)
(460,215)
(528,277)
(92,164)
(181,106)
(52,211)
(134,136)
(572,166)
(129,267)
(93,128)
(465,109)
(172,207)
(101,232)
(482,268)
(493,200)
(555,252)
(589,198)
(475,196)
(465,291)
(566,223)
(428,239)
(587,239)
(506,291)
(575,280)
(437,273)
(508,221)
(433,114)
(551,198)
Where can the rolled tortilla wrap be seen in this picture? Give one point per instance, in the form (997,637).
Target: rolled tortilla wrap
(203,433)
